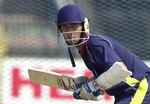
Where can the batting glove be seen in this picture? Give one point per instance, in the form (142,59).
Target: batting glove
(88,91)
(83,79)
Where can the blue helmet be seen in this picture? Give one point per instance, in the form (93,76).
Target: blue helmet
(70,14)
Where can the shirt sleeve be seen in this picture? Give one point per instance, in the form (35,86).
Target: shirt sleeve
(104,56)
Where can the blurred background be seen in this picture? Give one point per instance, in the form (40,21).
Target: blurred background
(28,32)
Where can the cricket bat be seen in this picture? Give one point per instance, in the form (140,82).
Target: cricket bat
(54,79)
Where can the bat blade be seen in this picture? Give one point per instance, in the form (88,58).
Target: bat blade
(52,79)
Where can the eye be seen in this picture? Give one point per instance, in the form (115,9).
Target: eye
(63,27)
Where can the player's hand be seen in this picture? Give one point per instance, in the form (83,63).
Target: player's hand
(88,91)
(83,79)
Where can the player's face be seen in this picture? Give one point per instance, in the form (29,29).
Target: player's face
(71,32)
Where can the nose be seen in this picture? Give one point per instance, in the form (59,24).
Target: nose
(69,35)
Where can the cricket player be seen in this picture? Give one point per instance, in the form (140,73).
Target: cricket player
(117,70)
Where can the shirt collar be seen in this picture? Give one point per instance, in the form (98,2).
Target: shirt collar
(82,48)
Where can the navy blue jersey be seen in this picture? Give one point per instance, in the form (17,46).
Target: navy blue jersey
(101,52)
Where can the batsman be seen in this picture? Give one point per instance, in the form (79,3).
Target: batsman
(116,70)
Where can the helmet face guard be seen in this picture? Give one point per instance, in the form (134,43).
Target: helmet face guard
(71,42)
(71,14)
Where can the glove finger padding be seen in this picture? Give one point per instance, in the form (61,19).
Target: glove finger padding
(98,92)
(85,94)
(76,94)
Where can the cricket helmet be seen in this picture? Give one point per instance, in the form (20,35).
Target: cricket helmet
(70,14)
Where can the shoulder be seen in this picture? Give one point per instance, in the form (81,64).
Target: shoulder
(99,40)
